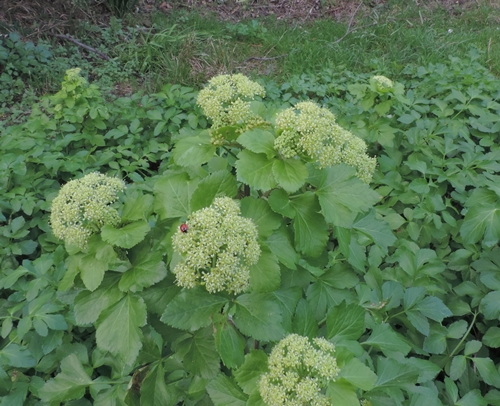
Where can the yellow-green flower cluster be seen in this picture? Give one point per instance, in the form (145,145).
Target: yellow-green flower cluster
(217,249)
(311,131)
(83,206)
(299,371)
(382,84)
(226,99)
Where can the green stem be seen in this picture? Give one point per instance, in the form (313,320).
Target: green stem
(464,337)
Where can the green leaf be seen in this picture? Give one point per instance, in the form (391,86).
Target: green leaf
(265,275)
(249,373)
(394,374)
(492,337)
(490,305)
(473,398)
(69,384)
(258,316)
(457,367)
(199,354)
(258,141)
(224,392)
(304,322)
(343,393)
(154,390)
(358,374)
(377,230)
(137,206)
(191,309)
(119,328)
(193,151)
(280,203)
(311,233)
(385,339)
(89,305)
(290,174)
(92,271)
(173,195)
(255,170)
(418,321)
(345,322)
(17,357)
(127,236)
(259,211)
(472,347)
(147,269)
(433,308)
(229,343)
(220,183)
(350,248)
(488,371)
(280,244)
(287,299)
(481,220)
(342,196)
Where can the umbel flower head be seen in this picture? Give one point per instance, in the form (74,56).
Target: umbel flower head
(381,84)
(83,207)
(226,100)
(311,131)
(299,371)
(218,246)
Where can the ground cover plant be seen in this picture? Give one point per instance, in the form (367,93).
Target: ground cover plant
(323,238)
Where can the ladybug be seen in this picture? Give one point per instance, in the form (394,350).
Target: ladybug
(184,228)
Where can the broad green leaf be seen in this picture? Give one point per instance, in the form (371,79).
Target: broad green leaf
(173,195)
(261,214)
(342,393)
(433,308)
(488,371)
(287,299)
(229,343)
(311,233)
(342,196)
(224,392)
(17,357)
(92,271)
(255,170)
(259,141)
(345,322)
(258,316)
(490,305)
(481,220)
(17,394)
(358,374)
(281,203)
(199,354)
(472,347)
(290,174)
(127,236)
(280,244)
(265,275)
(147,269)
(418,321)
(322,296)
(191,309)
(154,390)
(193,151)
(114,396)
(119,328)
(427,370)
(304,322)
(249,373)
(70,383)
(136,207)
(377,230)
(492,337)
(385,339)
(457,368)
(89,305)
(473,398)
(394,374)
(435,342)
(350,248)
(220,183)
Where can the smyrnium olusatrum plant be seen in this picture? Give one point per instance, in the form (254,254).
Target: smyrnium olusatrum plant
(83,206)
(300,369)
(311,132)
(218,246)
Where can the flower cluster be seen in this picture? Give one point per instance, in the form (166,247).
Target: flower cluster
(311,131)
(218,247)
(83,206)
(226,100)
(381,84)
(299,371)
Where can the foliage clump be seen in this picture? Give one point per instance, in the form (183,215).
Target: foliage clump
(310,131)
(83,207)
(226,101)
(218,248)
(299,370)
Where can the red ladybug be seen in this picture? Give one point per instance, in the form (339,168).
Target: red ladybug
(184,228)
